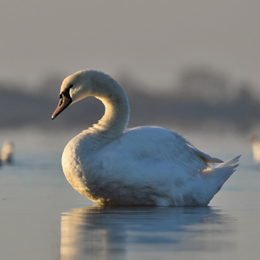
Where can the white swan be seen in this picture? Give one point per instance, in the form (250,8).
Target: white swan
(149,165)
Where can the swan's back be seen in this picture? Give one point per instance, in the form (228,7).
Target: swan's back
(156,144)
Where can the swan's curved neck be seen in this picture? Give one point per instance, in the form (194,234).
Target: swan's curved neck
(115,118)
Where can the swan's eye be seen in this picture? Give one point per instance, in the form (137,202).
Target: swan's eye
(66,92)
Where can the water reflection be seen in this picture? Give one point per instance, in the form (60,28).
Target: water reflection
(112,233)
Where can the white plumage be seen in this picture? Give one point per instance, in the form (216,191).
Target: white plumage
(149,165)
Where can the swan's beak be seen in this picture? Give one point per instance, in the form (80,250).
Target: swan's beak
(63,103)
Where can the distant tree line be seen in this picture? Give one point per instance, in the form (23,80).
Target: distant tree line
(200,97)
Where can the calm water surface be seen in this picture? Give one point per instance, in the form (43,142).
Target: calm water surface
(42,217)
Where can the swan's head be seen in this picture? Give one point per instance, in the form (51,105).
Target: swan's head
(74,88)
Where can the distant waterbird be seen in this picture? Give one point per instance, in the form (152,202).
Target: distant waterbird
(147,165)
(7,152)
(255,144)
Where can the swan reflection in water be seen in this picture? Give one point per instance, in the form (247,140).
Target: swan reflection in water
(114,232)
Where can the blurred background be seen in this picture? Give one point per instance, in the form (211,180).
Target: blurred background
(183,64)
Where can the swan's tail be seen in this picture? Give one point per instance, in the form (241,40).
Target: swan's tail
(218,176)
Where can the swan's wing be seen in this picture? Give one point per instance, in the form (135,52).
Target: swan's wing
(205,157)
(156,144)
(156,162)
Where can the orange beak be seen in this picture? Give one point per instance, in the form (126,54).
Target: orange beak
(63,103)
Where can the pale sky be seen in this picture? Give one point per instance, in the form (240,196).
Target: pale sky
(152,40)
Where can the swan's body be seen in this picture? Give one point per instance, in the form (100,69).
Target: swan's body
(151,165)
